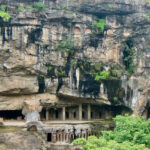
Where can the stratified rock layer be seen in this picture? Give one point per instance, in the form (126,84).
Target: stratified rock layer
(31,65)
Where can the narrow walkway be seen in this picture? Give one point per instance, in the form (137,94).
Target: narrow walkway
(14,123)
(72,121)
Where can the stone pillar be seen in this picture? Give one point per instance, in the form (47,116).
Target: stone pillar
(47,114)
(67,138)
(80,111)
(54,138)
(57,137)
(89,111)
(64,113)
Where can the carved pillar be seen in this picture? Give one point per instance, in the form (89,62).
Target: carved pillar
(80,111)
(57,136)
(64,113)
(54,137)
(66,139)
(89,111)
(47,114)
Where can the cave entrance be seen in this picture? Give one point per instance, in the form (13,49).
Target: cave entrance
(43,114)
(49,137)
(41,82)
(11,115)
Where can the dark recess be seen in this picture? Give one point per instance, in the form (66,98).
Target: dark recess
(41,82)
(11,114)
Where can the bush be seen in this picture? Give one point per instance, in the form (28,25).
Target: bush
(28,7)
(39,6)
(5,16)
(66,45)
(3,7)
(99,26)
(20,8)
(103,75)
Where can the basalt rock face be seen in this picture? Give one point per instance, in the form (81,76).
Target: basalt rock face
(33,58)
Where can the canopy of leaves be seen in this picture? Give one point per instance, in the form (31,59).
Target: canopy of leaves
(130,133)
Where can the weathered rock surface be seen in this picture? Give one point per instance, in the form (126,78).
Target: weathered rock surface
(31,65)
(21,140)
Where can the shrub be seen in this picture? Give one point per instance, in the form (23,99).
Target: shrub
(39,6)
(66,45)
(3,7)
(103,75)
(99,26)
(28,7)
(129,55)
(5,16)
(20,8)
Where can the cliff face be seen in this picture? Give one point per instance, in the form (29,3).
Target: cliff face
(58,50)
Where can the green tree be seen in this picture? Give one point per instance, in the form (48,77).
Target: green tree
(130,133)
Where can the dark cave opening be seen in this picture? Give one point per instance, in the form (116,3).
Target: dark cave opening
(35,35)
(43,114)
(11,114)
(41,82)
(49,137)
(89,86)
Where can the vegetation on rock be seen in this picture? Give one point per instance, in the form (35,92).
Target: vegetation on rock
(103,75)
(66,45)
(5,16)
(129,56)
(99,26)
(40,6)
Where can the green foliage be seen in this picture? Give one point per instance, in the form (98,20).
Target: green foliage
(130,133)
(116,72)
(99,26)
(5,16)
(69,24)
(147,1)
(62,73)
(40,6)
(3,7)
(97,66)
(103,75)
(129,55)
(128,128)
(28,7)
(66,45)
(112,6)
(115,99)
(20,8)
(58,7)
